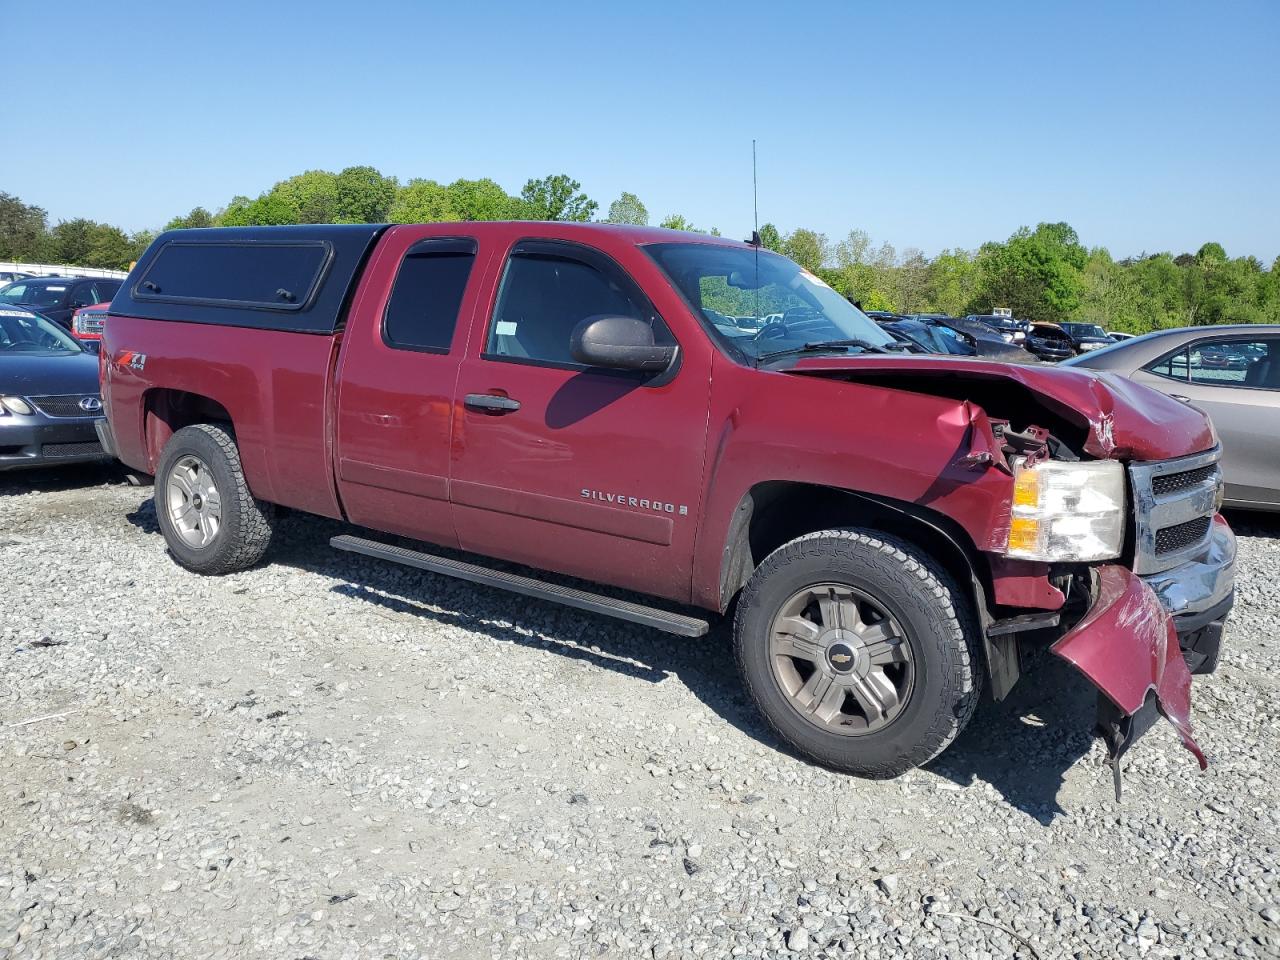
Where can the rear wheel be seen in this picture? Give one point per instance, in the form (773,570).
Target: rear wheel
(209,519)
(859,651)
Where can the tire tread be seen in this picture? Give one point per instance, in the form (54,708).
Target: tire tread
(937,589)
(247,523)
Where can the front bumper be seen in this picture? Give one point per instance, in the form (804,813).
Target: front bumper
(1144,636)
(39,441)
(1203,582)
(1128,647)
(1198,594)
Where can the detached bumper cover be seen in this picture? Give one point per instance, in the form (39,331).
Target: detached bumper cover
(1127,645)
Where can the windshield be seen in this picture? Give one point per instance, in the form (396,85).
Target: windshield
(35,294)
(934,339)
(765,309)
(1004,323)
(25,333)
(950,341)
(1085,330)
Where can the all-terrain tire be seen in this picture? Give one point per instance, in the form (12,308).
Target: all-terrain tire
(246,526)
(938,624)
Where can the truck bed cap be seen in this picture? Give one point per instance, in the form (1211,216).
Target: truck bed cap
(295,278)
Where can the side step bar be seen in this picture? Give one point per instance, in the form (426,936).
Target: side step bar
(582,600)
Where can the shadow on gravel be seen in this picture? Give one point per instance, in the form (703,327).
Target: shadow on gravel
(1251,523)
(1021,747)
(1024,746)
(144,518)
(16,483)
(619,659)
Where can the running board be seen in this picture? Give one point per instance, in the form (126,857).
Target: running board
(580,599)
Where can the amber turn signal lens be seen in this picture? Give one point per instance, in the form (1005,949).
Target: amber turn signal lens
(1026,489)
(1024,535)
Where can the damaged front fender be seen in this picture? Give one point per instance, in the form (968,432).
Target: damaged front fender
(1128,648)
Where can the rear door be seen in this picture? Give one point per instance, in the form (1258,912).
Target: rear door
(395,382)
(1236,380)
(589,472)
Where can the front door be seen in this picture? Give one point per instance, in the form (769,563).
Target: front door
(396,382)
(589,472)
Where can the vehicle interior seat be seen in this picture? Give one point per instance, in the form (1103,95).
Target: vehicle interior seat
(1263,373)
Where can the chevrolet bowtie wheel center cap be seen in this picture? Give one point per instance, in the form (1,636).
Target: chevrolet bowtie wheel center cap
(842,657)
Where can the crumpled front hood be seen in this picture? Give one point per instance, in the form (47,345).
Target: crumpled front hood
(1123,419)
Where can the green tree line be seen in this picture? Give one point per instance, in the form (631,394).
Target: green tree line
(1041,273)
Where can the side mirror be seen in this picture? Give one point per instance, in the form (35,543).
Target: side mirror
(619,343)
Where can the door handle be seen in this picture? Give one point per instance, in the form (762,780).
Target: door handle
(491,403)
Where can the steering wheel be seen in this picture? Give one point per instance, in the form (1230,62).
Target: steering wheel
(773,330)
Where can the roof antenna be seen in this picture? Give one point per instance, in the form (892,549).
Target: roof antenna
(755,225)
(755,199)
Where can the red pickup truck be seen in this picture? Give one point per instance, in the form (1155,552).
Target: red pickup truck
(695,420)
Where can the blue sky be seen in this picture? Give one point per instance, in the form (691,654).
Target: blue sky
(1147,126)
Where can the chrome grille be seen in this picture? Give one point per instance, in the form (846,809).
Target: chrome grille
(1174,482)
(67,405)
(1174,502)
(1181,536)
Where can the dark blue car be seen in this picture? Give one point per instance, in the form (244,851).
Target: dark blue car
(58,297)
(49,394)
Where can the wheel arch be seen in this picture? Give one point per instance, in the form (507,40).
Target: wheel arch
(775,512)
(167,410)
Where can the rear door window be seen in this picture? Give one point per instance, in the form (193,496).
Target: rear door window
(1236,363)
(1172,365)
(422,311)
(276,276)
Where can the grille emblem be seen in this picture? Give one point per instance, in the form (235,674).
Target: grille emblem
(90,404)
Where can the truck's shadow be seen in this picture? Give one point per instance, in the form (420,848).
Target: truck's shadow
(1021,747)
(16,483)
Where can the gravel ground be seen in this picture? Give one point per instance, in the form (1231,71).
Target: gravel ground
(327,757)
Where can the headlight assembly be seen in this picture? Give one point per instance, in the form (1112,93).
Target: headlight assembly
(1065,512)
(16,405)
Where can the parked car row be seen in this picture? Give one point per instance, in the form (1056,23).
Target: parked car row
(58,298)
(937,333)
(1043,341)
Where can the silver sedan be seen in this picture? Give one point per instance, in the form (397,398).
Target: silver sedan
(1230,372)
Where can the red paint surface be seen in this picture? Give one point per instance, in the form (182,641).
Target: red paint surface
(274,385)
(1023,583)
(1127,646)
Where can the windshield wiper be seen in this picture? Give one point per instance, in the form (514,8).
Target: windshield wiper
(816,346)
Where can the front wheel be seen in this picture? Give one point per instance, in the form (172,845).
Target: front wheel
(859,650)
(209,519)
